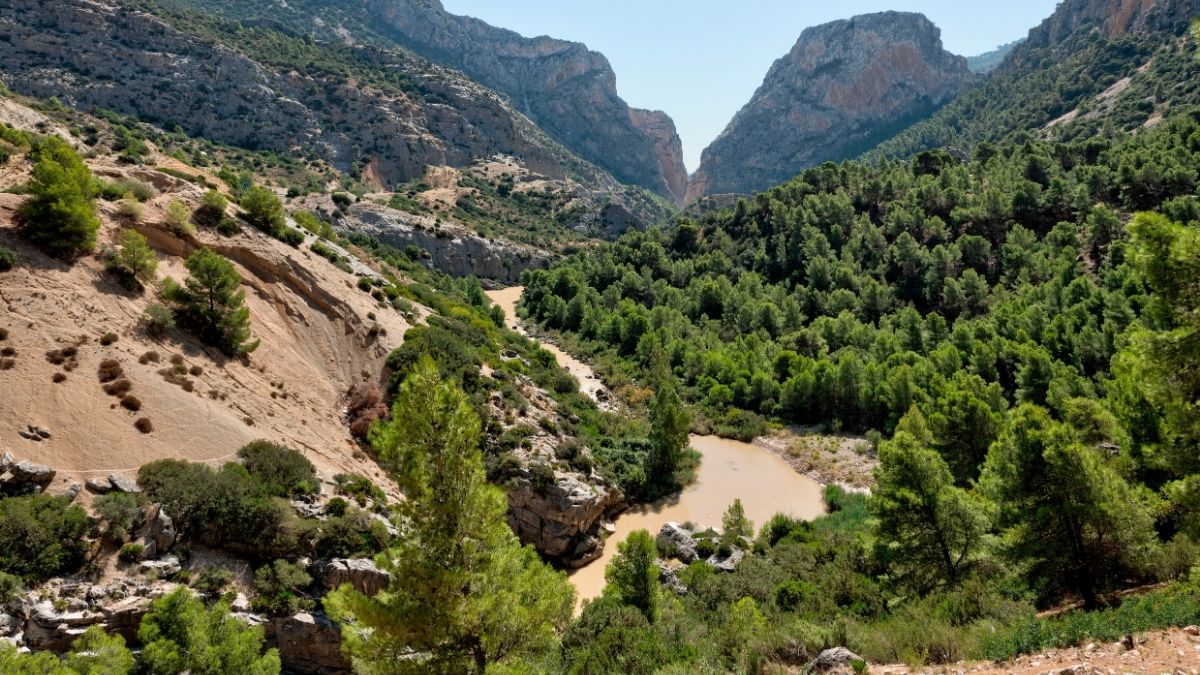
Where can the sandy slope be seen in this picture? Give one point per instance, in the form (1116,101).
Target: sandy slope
(317,340)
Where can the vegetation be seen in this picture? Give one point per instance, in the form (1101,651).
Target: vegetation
(464,594)
(60,213)
(212,304)
(41,536)
(181,635)
(281,470)
(135,262)
(8,259)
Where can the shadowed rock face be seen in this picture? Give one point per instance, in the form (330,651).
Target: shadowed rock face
(843,87)
(564,87)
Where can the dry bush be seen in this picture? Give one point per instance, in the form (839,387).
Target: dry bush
(149,357)
(196,371)
(364,407)
(108,338)
(144,425)
(118,388)
(59,378)
(109,370)
(131,403)
(7,364)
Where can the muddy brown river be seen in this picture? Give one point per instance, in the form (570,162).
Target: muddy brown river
(728,470)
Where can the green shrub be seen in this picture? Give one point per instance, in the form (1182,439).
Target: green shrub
(289,235)
(179,218)
(354,534)
(263,210)
(180,634)
(8,259)
(130,209)
(131,552)
(211,211)
(117,511)
(281,470)
(60,214)
(158,320)
(212,580)
(279,588)
(41,536)
(336,507)
(359,488)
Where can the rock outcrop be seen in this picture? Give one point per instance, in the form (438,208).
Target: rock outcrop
(843,87)
(568,90)
(562,519)
(360,573)
(449,249)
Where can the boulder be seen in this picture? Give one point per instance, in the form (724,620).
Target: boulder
(72,491)
(159,535)
(679,538)
(6,461)
(98,486)
(123,483)
(360,573)
(28,473)
(48,628)
(838,657)
(308,643)
(125,615)
(166,567)
(729,563)
(563,519)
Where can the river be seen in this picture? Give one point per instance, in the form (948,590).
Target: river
(729,470)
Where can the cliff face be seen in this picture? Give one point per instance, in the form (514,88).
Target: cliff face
(568,90)
(844,86)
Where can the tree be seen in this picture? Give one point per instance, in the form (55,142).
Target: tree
(279,588)
(118,511)
(41,536)
(212,303)
(264,210)
(1067,516)
(632,574)
(180,635)
(932,529)
(179,218)
(60,214)
(98,653)
(283,471)
(669,426)
(464,594)
(135,262)
(735,525)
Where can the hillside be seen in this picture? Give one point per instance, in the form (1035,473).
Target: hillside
(988,61)
(1091,68)
(842,88)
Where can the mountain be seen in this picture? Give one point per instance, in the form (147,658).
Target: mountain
(843,87)
(567,89)
(988,61)
(1092,67)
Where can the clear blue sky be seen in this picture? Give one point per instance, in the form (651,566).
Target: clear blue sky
(701,60)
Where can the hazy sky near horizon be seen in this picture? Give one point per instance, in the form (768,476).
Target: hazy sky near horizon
(701,60)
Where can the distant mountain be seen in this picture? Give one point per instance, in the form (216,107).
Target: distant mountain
(843,87)
(987,62)
(1093,66)
(567,89)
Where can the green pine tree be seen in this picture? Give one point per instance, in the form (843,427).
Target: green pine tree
(632,574)
(181,635)
(464,593)
(669,427)
(60,214)
(212,303)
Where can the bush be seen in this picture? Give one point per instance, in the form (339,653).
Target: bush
(60,214)
(144,425)
(135,262)
(212,303)
(131,403)
(351,534)
(211,212)
(131,552)
(108,338)
(289,235)
(109,370)
(8,259)
(118,388)
(179,218)
(281,470)
(264,210)
(157,321)
(130,208)
(212,581)
(365,406)
(118,511)
(279,588)
(359,488)
(181,635)
(41,536)
(541,476)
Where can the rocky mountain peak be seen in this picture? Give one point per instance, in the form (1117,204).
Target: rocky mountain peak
(844,86)
(567,89)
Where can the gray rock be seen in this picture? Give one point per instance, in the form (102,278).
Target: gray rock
(166,567)
(833,658)
(729,563)
(679,538)
(6,461)
(360,573)
(29,473)
(123,483)
(73,491)
(98,486)
(563,520)
(308,643)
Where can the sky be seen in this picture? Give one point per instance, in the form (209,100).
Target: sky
(702,60)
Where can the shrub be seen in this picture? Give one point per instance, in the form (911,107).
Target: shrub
(157,321)
(352,534)
(108,338)
(118,388)
(131,552)
(130,208)
(181,635)
(279,588)
(365,406)
(212,580)
(149,357)
(41,536)
(313,224)
(3,334)
(135,262)
(211,211)
(541,476)
(60,214)
(228,227)
(264,210)
(58,378)
(359,488)
(131,403)
(281,470)
(179,218)
(8,259)
(118,511)
(109,370)
(144,425)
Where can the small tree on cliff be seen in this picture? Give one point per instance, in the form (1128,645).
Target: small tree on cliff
(464,593)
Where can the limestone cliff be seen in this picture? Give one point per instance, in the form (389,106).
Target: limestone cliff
(844,86)
(565,88)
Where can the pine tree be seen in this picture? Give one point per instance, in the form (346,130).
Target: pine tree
(135,262)
(60,214)
(932,529)
(1067,515)
(464,593)
(632,574)
(669,426)
(181,635)
(735,525)
(212,303)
